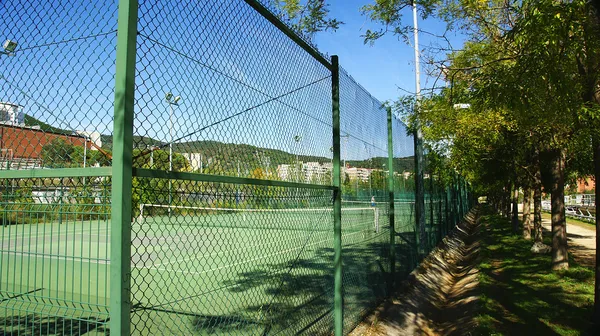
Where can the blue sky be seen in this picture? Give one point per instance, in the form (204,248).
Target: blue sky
(386,65)
(241,80)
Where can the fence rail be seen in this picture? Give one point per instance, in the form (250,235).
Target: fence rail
(179,168)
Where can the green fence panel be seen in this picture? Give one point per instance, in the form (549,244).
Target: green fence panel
(56,112)
(404,199)
(254,189)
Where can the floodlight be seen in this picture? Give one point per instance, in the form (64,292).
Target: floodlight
(168,96)
(9,46)
(178,98)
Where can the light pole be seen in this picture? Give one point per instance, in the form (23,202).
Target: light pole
(172,101)
(9,48)
(297,139)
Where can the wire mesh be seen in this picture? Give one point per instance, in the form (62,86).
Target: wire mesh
(404,198)
(222,273)
(232,219)
(239,99)
(364,153)
(56,109)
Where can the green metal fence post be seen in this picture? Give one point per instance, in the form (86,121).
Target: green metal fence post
(432,229)
(338,304)
(120,264)
(461,195)
(391,202)
(447,226)
(419,194)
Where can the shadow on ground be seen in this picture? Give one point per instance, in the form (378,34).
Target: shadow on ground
(520,293)
(440,296)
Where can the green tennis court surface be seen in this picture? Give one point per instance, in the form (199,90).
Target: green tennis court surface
(221,270)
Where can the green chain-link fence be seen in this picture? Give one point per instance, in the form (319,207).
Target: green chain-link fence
(196,168)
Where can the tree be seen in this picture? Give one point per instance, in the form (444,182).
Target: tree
(308,16)
(58,154)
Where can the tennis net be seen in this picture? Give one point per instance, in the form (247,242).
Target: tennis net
(302,219)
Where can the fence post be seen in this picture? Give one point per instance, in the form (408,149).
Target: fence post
(120,236)
(420,235)
(391,202)
(338,303)
(432,229)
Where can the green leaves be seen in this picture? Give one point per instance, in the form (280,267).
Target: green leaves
(308,16)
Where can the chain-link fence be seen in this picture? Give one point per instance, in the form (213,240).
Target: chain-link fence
(203,171)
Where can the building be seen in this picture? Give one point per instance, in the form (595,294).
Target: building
(195,161)
(305,172)
(11,114)
(362,174)
(21,146)
(584,185)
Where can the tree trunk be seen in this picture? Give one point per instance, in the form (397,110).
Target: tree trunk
(515,209)
(559,224)
(537,199)
(507,200)
(537,215)
(527,213)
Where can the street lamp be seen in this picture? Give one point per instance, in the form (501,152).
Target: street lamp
(172,101)
(9,47)
(297,139)
(346,136)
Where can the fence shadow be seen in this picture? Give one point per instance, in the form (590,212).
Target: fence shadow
(37,324)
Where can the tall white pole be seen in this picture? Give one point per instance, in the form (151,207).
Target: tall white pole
(417,60)
(419,182)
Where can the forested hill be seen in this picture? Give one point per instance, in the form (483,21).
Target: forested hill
(221,151)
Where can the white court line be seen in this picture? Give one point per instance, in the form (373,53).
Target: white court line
(55,257)
(52,233)
(241,262)
(213,254)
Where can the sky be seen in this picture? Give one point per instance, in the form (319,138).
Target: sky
(384,66)
(241,80)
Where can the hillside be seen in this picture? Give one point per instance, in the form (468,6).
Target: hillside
(31,121)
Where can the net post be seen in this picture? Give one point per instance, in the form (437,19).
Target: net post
(120,238)
(338,304)
(391,201)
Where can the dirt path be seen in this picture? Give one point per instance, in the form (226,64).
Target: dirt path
(440,297)
(581,241)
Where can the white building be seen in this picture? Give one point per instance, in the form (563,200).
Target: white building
(195,160)
(11,114)
(305,172)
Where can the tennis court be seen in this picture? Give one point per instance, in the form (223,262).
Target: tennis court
(199,268)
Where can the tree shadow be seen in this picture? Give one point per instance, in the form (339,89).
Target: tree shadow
(522,294)
(296,296)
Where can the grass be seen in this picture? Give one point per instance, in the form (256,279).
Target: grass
(520,295)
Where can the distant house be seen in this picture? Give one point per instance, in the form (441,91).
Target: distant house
(585,185)
(21,146)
